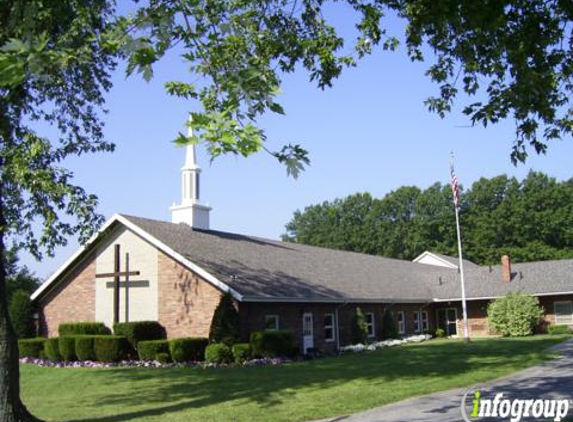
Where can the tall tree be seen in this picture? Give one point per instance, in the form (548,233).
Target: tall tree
(54,68)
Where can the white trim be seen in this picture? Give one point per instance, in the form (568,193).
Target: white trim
(372,323)
(417,322)
(153,241)
(257,299)
(425,324)
(447,263)
(402,329)
(457,299)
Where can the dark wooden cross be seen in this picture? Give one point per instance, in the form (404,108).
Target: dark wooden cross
(117,274)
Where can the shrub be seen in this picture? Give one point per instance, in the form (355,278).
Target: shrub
(110,348)
(225,323)
(515,314)
(389,330)
(163,358)
(440,333)
(218,353)
(85,348)
(31,347)
(83,328)
(359,328)
(52,349)
(139,331)
(149,349)
(270,344)
(188,349)
(67,348)
(241,352)
(559,329)
(22,314)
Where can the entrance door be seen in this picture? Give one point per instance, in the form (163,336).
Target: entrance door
(307,332)
(448,321)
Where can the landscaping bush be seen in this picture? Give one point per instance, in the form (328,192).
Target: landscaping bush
(389,330)
(163,358)
(22,314)
(359,328)
(83,328)
(270,344)
(67,348)
(85,348)
(110,348)
(188,349)
(559,329)
(225,323)
(515,314)
(52,349)
(139,331)
(148,350)
(31,347)
(440,333)
(218,353)
(241,352)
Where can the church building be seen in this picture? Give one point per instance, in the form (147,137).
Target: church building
(136,269)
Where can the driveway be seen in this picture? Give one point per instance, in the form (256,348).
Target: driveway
(550,380)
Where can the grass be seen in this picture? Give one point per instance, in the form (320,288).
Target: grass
(293,392)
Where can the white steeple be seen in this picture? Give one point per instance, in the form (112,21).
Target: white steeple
(191,211)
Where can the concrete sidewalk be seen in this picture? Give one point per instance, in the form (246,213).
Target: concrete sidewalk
(553,379)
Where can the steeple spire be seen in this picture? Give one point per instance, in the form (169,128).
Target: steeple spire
(190,211)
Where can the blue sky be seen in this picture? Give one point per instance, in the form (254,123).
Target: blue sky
(369,133)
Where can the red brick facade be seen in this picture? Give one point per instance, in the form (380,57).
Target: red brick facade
(73,300)
(186,302)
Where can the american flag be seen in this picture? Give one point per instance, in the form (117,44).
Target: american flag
(454,183)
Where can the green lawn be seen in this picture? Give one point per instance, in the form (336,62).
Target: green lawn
(293,392)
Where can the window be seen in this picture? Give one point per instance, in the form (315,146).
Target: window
(271,322)
(401,322)
(425,322)
(329,327)
(563,312)
(417,321)
(369,317)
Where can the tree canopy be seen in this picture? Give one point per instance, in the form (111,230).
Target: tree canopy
(530,220)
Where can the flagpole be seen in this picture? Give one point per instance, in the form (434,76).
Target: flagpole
(461,266)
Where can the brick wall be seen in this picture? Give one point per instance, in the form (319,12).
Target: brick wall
(186,302)
(477,317)
(72,301)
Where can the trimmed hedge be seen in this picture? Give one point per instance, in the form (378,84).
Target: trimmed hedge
(139,331)
(270,344)
(83,328)
(110,348)
(559,329)
(163,358)
(84,347)
(31,347)
(150,349)
(188,349)
(218,353)
(67,348)
(52,349)
(241,352)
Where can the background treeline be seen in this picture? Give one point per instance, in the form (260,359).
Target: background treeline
(530,220)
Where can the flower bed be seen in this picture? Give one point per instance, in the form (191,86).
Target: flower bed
(355,348)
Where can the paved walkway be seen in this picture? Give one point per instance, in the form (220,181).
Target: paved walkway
(553,379)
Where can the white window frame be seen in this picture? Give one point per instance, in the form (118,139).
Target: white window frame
(417,321)
(329,327)
(401,322)
(425,322)
(564,319)
(268,318)
(370,326)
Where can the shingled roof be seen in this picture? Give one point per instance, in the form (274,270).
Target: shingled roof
(258,269)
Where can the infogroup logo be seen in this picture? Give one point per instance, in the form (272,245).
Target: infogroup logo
(479,404)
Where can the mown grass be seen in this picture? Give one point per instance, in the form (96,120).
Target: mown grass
(293,392)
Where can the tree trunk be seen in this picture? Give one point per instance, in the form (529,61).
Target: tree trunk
(11,407)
